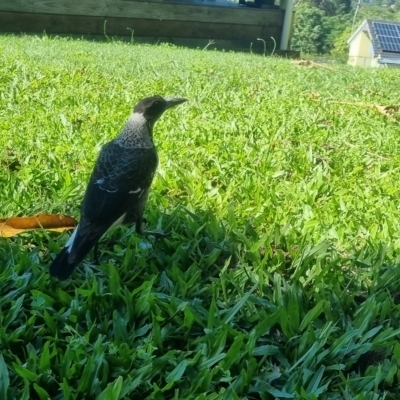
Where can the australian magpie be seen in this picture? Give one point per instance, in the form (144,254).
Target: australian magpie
(119,185)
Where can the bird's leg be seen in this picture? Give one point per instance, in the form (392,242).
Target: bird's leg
(156,234)
(96,253)
(139,229)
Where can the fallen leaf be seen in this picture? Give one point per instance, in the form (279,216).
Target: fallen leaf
(10,161)
(311,64)
(54,222)
(390,111)
(313,95)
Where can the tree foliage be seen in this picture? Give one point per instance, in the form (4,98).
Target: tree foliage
(332,7)
(324,26)
(310,33)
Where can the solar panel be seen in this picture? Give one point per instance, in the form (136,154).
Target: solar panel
(389,46)
(388,36)
(387,29)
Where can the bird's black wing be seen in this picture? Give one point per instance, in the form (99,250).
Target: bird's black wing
(119,179)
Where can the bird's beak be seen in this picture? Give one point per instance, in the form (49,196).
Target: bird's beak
(174,101)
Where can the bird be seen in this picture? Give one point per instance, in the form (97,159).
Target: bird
(119,185)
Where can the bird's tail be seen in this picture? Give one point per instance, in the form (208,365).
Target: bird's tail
(62,267)
(75,250)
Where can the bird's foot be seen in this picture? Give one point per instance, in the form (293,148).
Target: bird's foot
(157,235)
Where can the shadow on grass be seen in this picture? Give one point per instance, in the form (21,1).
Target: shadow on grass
(255,47)
(214,299)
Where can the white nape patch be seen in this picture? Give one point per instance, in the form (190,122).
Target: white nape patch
(137,118)
(135,191)
(100,181)
(118,221)
(71,240)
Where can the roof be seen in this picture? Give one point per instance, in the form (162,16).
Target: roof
(385,39)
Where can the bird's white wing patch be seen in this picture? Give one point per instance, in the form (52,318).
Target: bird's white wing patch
(135,191)
(100,181)
(71,240)
(119,221)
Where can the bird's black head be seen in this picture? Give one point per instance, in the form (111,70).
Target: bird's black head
(153,107)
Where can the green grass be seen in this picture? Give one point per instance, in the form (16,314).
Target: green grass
(281,277)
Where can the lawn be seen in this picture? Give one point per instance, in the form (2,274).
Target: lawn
(280,185)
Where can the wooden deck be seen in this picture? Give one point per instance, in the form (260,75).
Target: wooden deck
(196,20)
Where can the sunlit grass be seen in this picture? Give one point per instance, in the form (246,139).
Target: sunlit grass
(280,279)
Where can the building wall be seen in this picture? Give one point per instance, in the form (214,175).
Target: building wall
(374,63)
(361,51)
(147,18)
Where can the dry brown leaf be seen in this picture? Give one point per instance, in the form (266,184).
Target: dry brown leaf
(10,161)
(311,64)
(306,63)
(388,111)
(357,87)
(314,95)
(54,222)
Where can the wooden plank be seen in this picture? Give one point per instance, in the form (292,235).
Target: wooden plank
(147,10)
(66,24)
(210,3)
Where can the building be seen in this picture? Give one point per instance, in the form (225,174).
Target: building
(196,22)
(375,44)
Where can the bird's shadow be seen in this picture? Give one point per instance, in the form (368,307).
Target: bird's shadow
(188,237)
